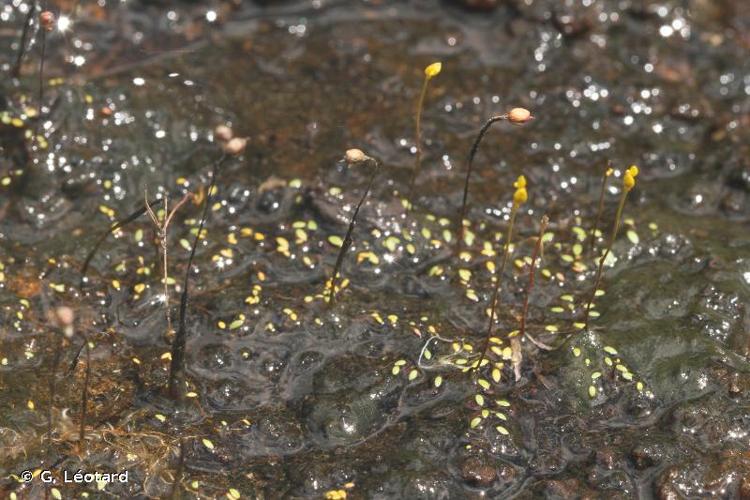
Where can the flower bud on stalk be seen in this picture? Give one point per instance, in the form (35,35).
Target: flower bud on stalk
(519,116)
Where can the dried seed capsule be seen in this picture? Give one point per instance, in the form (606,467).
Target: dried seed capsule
(235,146)
(519,115)
(47,20)
(355,156)
(64,315)
(223,133)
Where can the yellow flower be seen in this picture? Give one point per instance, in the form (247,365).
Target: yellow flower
(433,70)
(520,196)
(628,180)
(609,172)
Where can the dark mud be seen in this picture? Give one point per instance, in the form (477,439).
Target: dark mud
(286,397)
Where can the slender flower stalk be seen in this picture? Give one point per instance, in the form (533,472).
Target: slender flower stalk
(177,364)
(22,47)
(518,116)
(430,72)
(47,24)
(519,198)
(353,156)
(231,146)
(628,183)
(84,393)
(162,228)
(62,319)
(532,272)
(600,207)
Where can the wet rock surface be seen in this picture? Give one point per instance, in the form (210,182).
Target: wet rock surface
(288,397)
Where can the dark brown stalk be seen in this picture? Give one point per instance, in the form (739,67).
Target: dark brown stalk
(347,243)
(474,147)
(496,292)
(41,73)
(600,269)
(16,70)
(114,227)
(163,236)
(600,206)
(176,366)
(174,493)
(58,344)
(85,392)
(532,273)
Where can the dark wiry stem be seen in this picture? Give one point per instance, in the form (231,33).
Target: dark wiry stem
(532,272)
(16,70)
(58,344)
(41,70)
(43,33)
(472,153)
(114,227)
(178,344)
(174,493)
(600,206)
(600,269)
(496,292)
(85,392)
(348,237)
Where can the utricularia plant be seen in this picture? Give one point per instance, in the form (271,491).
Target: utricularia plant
(430,72)
(520,196)
(628,183)
(352,157)
(600,207)
(518,116)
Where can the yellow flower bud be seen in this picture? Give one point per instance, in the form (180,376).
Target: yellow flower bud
(609,172)
(520,196)
(520,182)
(628,180)
(433,70)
